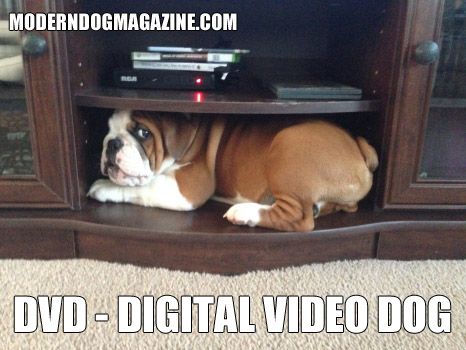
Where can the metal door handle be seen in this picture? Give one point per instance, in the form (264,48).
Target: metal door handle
(427,52)
(33,44)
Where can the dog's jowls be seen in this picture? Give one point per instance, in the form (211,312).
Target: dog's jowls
(281,175)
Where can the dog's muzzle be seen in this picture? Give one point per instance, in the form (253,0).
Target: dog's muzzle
(113,146)
(124,165)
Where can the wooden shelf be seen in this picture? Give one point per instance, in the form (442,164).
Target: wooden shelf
(141,222)
(254,101)
(203,241)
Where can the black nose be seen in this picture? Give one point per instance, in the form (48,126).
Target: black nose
(114,145)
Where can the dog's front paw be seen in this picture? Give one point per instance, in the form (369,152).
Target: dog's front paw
(245,213)
(106,191)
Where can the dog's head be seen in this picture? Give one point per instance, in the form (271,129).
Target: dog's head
(141,145)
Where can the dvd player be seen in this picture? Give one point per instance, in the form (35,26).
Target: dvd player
(164,79)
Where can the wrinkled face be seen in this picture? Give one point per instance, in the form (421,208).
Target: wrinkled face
(124,157)
(141,145)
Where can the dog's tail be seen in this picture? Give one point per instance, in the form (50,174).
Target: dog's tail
(369,154)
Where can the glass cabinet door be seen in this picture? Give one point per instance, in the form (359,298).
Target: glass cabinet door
(15,146)
(427,154)
(36,128)
(444,152)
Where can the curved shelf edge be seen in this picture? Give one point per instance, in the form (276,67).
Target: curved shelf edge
(215,102)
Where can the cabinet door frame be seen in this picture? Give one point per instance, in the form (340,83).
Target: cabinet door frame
(404,188)
(47,94)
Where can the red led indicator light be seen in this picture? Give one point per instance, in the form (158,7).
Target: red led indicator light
(199,97)
(198,81)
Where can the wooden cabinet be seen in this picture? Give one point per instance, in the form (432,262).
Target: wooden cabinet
(416,245)
(36,168)
(427,157)
(413,111)
(36,243)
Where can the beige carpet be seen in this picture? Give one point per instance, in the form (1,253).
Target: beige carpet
(100,283)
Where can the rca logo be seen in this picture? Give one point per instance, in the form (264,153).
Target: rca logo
(129,78)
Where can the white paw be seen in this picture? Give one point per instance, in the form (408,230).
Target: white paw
(245,213)
(106,191)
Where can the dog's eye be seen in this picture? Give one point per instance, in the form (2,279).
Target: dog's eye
(142,133)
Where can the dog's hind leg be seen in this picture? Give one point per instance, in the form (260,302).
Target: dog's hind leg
(286,214)
(331,207)
(349,208)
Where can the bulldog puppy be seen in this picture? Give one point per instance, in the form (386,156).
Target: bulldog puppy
(280,175)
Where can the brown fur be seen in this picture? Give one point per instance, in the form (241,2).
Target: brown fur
(299,165)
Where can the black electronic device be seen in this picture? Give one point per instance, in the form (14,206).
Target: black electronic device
(166,79)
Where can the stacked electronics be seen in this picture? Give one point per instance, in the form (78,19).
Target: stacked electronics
(164,67)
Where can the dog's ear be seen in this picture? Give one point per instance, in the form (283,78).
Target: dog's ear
(179,131)
(157,152)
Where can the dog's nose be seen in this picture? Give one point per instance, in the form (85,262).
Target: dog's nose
(114,145)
